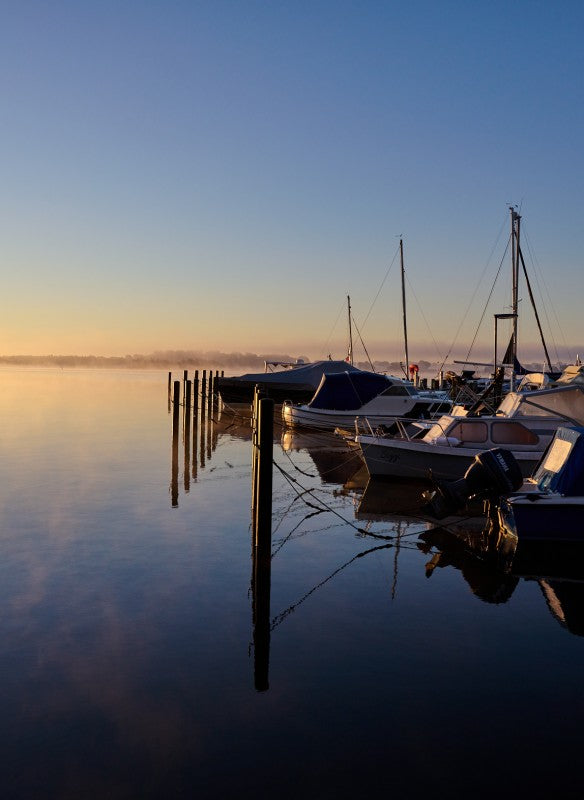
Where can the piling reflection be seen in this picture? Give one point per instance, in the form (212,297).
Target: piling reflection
(199,422)
(261,588)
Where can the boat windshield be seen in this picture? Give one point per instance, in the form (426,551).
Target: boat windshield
(439,428)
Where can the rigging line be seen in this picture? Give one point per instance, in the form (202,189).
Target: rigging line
(296,467)
(350,456)
(289,478)
(299,494)
(547,292)
(326,344)
(295,528)
(381,287)
(277,620)
(363,343)
(487,303)
(475,292)
(421,310)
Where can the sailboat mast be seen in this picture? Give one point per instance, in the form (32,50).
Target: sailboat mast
(350,353)
(515,229)
(403,280)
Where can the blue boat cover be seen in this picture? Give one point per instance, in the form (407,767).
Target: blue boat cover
(562,468)
(341,391)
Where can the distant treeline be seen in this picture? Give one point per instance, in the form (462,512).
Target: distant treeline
(193,359)
(167,359)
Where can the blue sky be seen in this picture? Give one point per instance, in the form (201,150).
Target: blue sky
(220,175)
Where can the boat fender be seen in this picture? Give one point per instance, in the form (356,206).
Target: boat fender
(448,440)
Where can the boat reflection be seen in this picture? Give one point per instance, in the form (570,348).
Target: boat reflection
(494,563)
(334,460)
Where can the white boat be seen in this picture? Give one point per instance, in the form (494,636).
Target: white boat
(343,397)
(525,424)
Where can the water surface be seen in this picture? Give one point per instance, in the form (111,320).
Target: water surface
(399,661)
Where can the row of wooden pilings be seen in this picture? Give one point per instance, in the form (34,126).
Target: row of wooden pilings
(199,404)
(201,396)
(203,392)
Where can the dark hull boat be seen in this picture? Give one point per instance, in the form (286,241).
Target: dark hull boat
(550,506)
(297,384)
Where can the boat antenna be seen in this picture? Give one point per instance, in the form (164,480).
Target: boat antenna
(403,282)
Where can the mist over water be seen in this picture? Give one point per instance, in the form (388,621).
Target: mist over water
(235,363)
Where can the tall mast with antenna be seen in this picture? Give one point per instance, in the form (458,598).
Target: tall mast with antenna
(350,353)
(515,229)
(403,278)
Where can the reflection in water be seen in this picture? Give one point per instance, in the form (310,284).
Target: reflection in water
(493,564)
(261,587)
(333,459)
(126,627)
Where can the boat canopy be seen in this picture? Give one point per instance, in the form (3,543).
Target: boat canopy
(574,373)
(348,391)
(561,401)
(308,373)
(562,468)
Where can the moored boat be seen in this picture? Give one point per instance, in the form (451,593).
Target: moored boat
(380,399)
(525,424)
(298,382)
(550,505)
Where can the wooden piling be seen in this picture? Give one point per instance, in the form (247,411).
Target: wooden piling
(262,458)
(265,448)
(196,396)
(175,437)
(187,437)
(210,393)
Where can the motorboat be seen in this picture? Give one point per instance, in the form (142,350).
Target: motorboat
(550,505)
(297,382)
(380,399)
(524,423)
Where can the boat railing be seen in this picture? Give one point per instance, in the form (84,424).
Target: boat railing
(401,428)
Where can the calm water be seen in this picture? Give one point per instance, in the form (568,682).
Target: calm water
(127,650)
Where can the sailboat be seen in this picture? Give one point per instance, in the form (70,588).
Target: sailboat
(285,380)
(379,399)
(510,362)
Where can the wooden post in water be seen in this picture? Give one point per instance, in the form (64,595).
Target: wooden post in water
(175,436)
(187,467)
(215,392)
(262,548)
(203,388)
(210,393)
(169,390)
(265,448)
(254,457)
(196,396)
(202,425)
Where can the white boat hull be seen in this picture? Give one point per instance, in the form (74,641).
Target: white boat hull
(378,412)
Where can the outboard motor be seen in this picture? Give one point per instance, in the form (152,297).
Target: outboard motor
(494,474)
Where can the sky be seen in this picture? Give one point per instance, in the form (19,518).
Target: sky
(221,175)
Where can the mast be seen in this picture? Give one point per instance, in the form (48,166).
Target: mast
(403,282)
(515,229)
(350,353)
